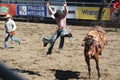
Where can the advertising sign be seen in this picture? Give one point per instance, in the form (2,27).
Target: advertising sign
(71,11)
(92,12)
(31,10)
(8,8)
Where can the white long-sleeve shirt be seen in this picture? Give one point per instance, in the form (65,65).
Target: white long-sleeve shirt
(10,25)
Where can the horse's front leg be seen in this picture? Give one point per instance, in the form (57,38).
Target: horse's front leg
(89,68)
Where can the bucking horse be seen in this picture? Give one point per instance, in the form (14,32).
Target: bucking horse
(94,42)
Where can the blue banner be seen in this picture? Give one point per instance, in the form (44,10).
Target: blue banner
(31,10)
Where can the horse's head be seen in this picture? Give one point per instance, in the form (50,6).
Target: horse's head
(89,45)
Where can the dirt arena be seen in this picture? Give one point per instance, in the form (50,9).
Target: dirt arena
(30,61)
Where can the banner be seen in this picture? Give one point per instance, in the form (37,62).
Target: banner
(8,8)
(31,10)
(71,11)
(91,13)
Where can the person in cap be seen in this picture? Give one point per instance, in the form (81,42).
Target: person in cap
(60,18)
(116,4)
(10,28)
(116,13)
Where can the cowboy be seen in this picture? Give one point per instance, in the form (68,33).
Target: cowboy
(62,31)
(10,27)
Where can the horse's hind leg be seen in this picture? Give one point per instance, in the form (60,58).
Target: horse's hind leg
(89,69)
(98,69)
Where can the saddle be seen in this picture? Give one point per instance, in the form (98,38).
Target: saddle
(99,34)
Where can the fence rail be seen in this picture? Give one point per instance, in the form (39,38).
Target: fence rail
(53,2)
(46,19)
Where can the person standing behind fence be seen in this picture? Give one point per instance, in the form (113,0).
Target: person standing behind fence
(10,28)
(116,4)
(116,13)
(62,31)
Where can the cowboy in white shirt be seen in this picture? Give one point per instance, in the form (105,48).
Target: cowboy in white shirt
(10,27)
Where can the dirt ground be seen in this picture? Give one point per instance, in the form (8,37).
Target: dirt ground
(30,61)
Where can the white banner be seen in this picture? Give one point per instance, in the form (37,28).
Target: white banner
(72,11)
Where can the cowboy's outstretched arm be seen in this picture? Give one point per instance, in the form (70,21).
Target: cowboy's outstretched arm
(65,9)
(51,12)
(65,6)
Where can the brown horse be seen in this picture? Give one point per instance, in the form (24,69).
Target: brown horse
(94,43)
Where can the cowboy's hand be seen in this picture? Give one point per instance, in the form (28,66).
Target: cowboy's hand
(47,4)
(11,33)
(64,4)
